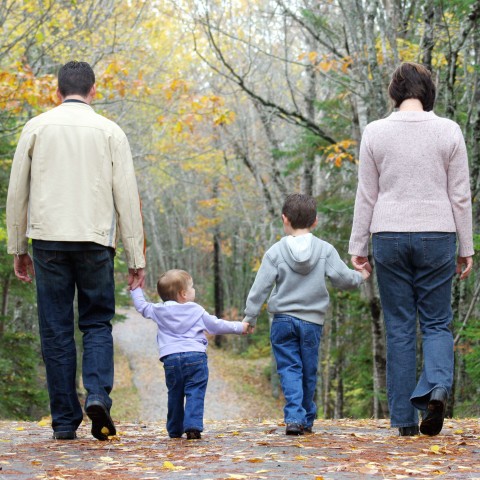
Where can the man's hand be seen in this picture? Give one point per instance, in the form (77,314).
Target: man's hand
(23,267)
(136,278)
(464,266)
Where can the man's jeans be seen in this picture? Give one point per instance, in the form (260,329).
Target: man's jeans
(57,274)
(186,376)
(415,272)
(295,345)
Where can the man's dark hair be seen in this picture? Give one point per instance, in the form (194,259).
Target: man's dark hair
(412,80)
(75,78)
(300,209)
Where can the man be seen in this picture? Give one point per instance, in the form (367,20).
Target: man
(72,190)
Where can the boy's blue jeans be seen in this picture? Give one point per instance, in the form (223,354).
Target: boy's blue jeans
(58,273)
(186,376)
(414,272)
(295,345)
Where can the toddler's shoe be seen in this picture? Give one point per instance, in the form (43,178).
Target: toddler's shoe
(193,434)
(408,431)
(294,429)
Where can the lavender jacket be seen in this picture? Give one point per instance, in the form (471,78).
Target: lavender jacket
(181,326)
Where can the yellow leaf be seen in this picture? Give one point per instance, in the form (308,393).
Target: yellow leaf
(255,460)
(170,466)
(458,432)
(44,422)
(19,429)
(300,457)
(236,476)
(435,449)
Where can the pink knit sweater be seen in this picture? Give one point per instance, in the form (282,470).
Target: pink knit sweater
(413,177)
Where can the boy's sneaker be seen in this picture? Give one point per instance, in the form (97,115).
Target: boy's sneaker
(102,423)
(307,430)
(294,429)
(193,434)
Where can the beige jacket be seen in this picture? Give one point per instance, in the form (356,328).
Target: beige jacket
(73,179)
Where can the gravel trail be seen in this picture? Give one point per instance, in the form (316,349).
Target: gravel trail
(136,339)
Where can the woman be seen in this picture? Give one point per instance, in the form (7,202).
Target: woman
(414,197)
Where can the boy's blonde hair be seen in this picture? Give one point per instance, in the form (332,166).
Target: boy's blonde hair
(171,283)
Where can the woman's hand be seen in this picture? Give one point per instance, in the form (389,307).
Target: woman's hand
(361,263)
(464,266)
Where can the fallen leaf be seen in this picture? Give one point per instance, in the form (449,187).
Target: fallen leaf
(170,466)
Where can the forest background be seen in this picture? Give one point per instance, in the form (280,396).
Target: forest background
(229,105)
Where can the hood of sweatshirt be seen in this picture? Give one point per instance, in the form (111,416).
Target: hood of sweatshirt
(179,318)
(300,253)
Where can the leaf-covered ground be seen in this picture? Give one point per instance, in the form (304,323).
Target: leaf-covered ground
(254,449)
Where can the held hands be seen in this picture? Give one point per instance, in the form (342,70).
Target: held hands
(362,265)
(247,328)
(136,278)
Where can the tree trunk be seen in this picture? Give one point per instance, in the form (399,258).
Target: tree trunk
(380,406)
(5,295)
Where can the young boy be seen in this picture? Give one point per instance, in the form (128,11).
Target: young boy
(182,345)
(296,267)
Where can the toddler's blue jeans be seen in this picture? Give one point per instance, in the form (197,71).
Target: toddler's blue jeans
(295,345)
(186,376)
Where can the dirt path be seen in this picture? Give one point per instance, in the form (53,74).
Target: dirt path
(135,338)
(340,449)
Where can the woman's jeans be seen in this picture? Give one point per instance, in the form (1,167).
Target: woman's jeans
(186,376)
(57,274)
(415,272)
(295,345)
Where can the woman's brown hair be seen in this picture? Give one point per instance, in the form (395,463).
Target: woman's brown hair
(412,80)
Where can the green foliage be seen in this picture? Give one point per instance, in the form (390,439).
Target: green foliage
(470,351)
(22,396)
(259,342)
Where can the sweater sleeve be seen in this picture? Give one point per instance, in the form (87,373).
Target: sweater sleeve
(260,289)
(366,197)
(217,326)
(460,195)
(141,305)
(339,274)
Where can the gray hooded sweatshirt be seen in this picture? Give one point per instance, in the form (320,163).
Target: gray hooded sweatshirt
(296,268)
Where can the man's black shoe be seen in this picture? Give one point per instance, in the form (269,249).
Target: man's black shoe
(408,431)
(432,422)
(193,434)
(294,429)
(102,423)
(68,435)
